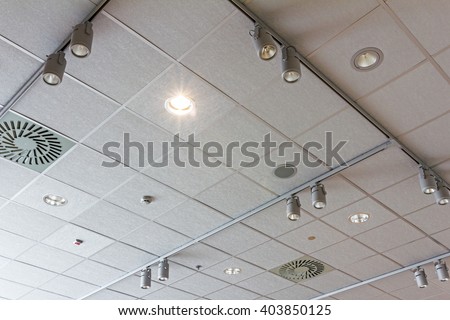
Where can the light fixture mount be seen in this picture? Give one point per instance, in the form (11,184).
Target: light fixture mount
(232,271)
(359,217)
(263,41)
(367,59)
(54,200)
(179,105)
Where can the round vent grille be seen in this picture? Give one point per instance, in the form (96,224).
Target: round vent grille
(28,143)
(298,270)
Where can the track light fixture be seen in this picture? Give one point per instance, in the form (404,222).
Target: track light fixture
(81,42)
(163,270)
(290,64)
(293,208)
(421,277)
(146,278)
(442,195)
(263,42)
(441,270)
(54,68)
(427,181)
(318,196)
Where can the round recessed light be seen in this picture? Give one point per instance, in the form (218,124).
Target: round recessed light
(285,171)
(179,105)
(359,217)
(232,271)
(54,200)
(311,238)
(367,59)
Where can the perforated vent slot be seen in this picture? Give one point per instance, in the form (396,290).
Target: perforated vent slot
(302,269)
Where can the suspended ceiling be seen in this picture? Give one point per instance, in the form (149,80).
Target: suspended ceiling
(146,51)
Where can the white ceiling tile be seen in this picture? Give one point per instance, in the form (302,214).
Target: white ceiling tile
(25,274)
(398,232)
(395,282)
(199,255)
(42,295)
(49,258)
(366,292)
(155,238)
(83,168)
(444,296)
(431,219)
(427,21)
(371,267)
(247,270)
(131,286)
(324,236)
(232,293)
(4,261)
(12,290)
(27,222)
(200,284)
(414,293)
(443,237)
(443,59)
(192,219)
(272,220)
(169,293)
(265,283)
(17,68)
(270,254)
(296,292)
(400,106)
(443,169)
(109,220)
(236,239)
(94,272)
(405,197)
(16,244)
(427,141)
(64,238)
(109,295)
(378,216)
(122,256)
(17,177)
(382,170)
(112,48)
(77,200)
(330,281)
(416,251)
(235,195)
(68,287)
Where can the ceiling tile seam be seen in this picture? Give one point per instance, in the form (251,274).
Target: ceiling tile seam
(424,124)
(21,49)
(434,55)
(33,266)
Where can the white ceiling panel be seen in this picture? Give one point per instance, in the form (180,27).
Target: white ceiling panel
(17,177)
(400,54)
(232,293)
(443,237)
(12,290)
(396,282)
(112,43)
(109,295)
(25,274)
(130,286)
(371,267)
(414,293)
(168,293)
(443,169)
(265,283)
(247,270)
(431,219)
(68,287)
(404,98)
(201,255)
(296,292)
(418,250)
(94,272)
(443,60)
(365,292)
(16,244)
(330,281)
(4,261)
(42,295)
(200,284)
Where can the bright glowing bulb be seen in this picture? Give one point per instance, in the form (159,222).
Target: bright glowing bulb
(179,105)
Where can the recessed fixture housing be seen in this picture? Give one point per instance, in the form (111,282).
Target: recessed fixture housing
(367,59)
(179,105)
(285,171)
(232,271)
(359,217)
(54,200)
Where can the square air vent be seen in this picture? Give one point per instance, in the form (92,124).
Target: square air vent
(302,269)
(30,144)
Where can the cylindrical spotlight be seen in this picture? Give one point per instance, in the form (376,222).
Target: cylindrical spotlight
(318,196)
(441,270)
(81,42)
(54,68)
(146,278)
(163,270)
(264,43)
(427,182)
(442,195)
(293,208)
(421,278)
(290,64)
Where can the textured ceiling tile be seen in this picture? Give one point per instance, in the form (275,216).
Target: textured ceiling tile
(68,287)
(12,290)
(296,292)
(130,286)
(370,267)
(247,270)
(169,293)
(199,255)
(265,283)
(443,60)
(431,219)
(443,169)
(330,281)
(17,177)
(395,282)
(200,284)
(94,272)
(16,244)
(232,293)
(416,251)
(366,292)
(414,293)
(109,295)
(25,274)
(42,295)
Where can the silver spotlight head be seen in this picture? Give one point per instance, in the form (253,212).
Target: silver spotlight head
(427,181)
(263,42)
(163,270)
(54,68)
(293,208)
(421,278)
(441,270)
(81,42)
(290,64)
(318,196)
(442,195)
(146,278)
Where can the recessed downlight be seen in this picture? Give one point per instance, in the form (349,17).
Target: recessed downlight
(367,59)
(359,217)
(54,200)
(232,271)
(285,171)
(179,105)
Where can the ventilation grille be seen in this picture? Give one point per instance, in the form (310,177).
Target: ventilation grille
(30,144)
(302,269)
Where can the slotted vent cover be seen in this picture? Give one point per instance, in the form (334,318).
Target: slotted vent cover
(30,144)
(302,269)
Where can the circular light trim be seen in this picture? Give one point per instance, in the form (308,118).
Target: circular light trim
(55,200)
(80,50)
(359,217)
(179,105)
(51,79)
(367,59)
(232,271)
(285,171)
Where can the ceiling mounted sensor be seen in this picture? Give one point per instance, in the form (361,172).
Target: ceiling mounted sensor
(81,41)
(285,171)
(263,42)
(367,59)
(30,144)
(54,68)
(302,269)
(179,105)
